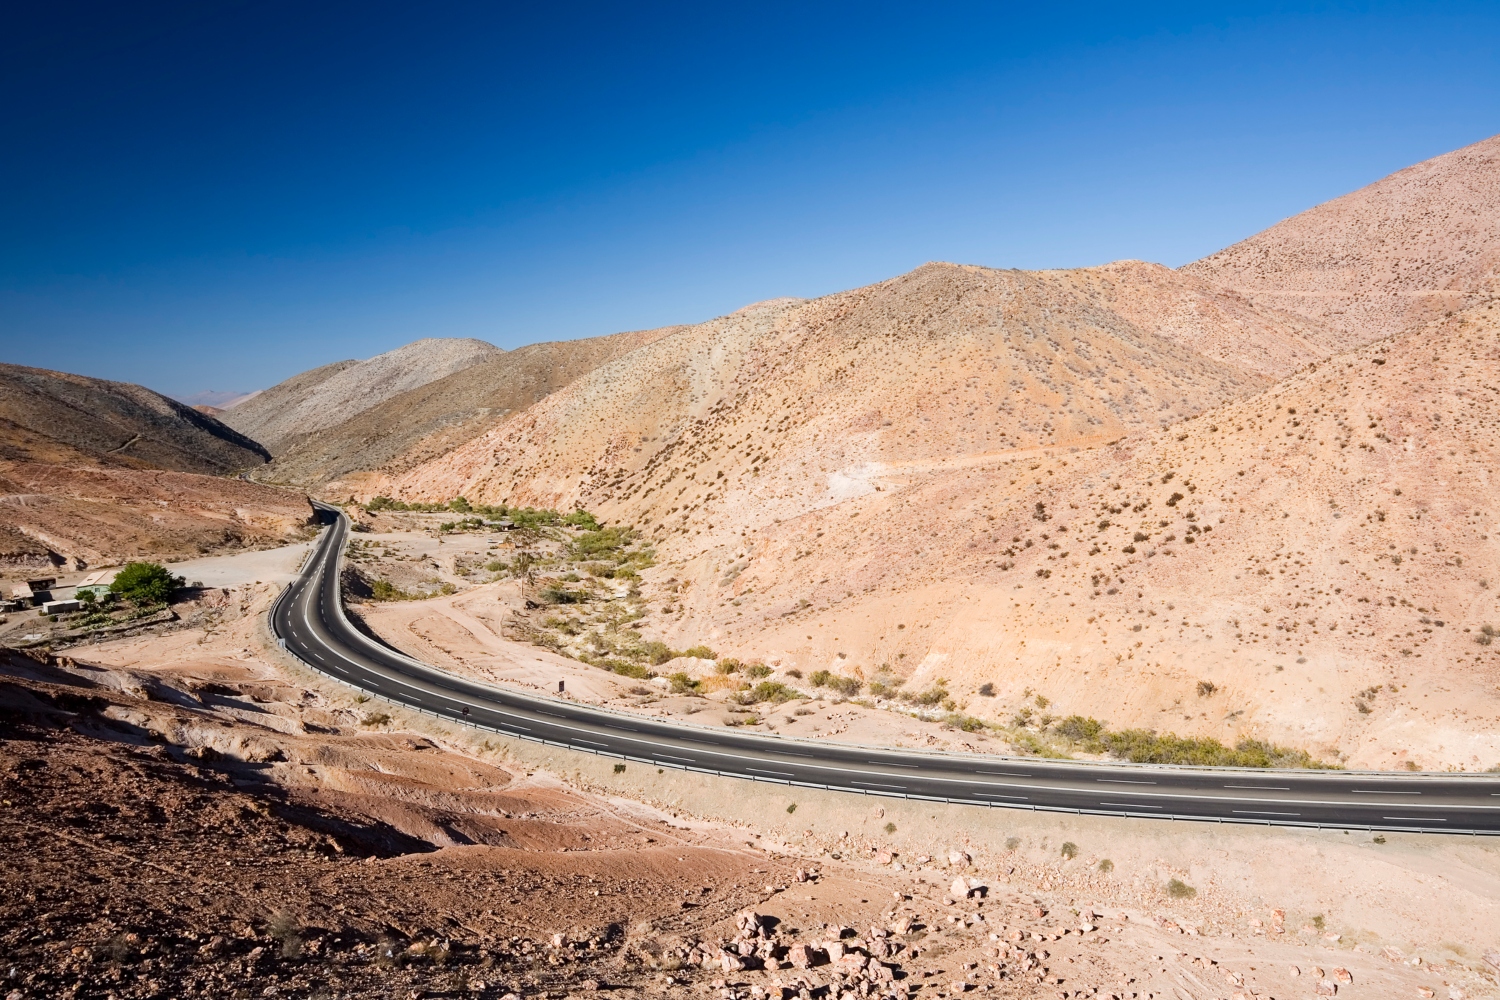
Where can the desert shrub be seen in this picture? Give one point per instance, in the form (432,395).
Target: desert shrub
(1070,850)
(791,808)
(1486,635)
(284,927)
(1079,729)
(1144,747)
(967,723)
(1206,688)
(682,683)
(772,691)
(846,686)
(375,719)
(1178,889)
(602,543)
(144,583)
(581,518)
(557,594)
(657,652)
(934,695)
(757,670)
(619,768)
(1106,866)
(987,689)
(728,665)
(385,590)
(794,672)
(627,669)
(890,828)
(700,652)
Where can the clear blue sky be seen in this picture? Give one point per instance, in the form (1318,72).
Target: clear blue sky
(218,195)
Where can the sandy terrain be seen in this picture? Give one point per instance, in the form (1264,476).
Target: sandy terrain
(378,854)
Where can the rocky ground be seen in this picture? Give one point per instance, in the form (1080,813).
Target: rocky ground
(198,817)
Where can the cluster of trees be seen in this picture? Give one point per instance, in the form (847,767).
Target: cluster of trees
(143,584)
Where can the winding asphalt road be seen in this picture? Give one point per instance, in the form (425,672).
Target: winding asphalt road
(309,621)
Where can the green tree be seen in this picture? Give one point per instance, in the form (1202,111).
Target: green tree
(144,583)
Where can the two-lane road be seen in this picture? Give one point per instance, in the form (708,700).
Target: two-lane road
(309,621)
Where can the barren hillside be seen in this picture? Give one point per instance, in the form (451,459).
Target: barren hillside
(314,401)
(775,409)
(48,416)
(55,514)
(1374,262)
(259,415)
(1321,555)
(421,424)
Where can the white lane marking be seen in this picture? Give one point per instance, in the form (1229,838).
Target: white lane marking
(1416,819)
(589,742)
(1124,781)
(1128,805)
(1376,791)
(1263,788)
(1262,812)
(876,784)
(779,774)
(667,756)
(991,795)
(886,763)
(1005,774)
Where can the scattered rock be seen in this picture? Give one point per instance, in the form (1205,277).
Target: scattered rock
(802,956)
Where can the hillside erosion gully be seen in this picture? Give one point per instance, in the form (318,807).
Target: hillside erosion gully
(308,621)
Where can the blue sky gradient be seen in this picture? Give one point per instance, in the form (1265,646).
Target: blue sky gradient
(216,196)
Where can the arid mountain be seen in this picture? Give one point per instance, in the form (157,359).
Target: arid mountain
(421,424)
(328,396)
(776,409)
(214,399)
(1321,555)
(48,416)
(1410,247)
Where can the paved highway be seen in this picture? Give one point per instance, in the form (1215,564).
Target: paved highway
(309,621)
